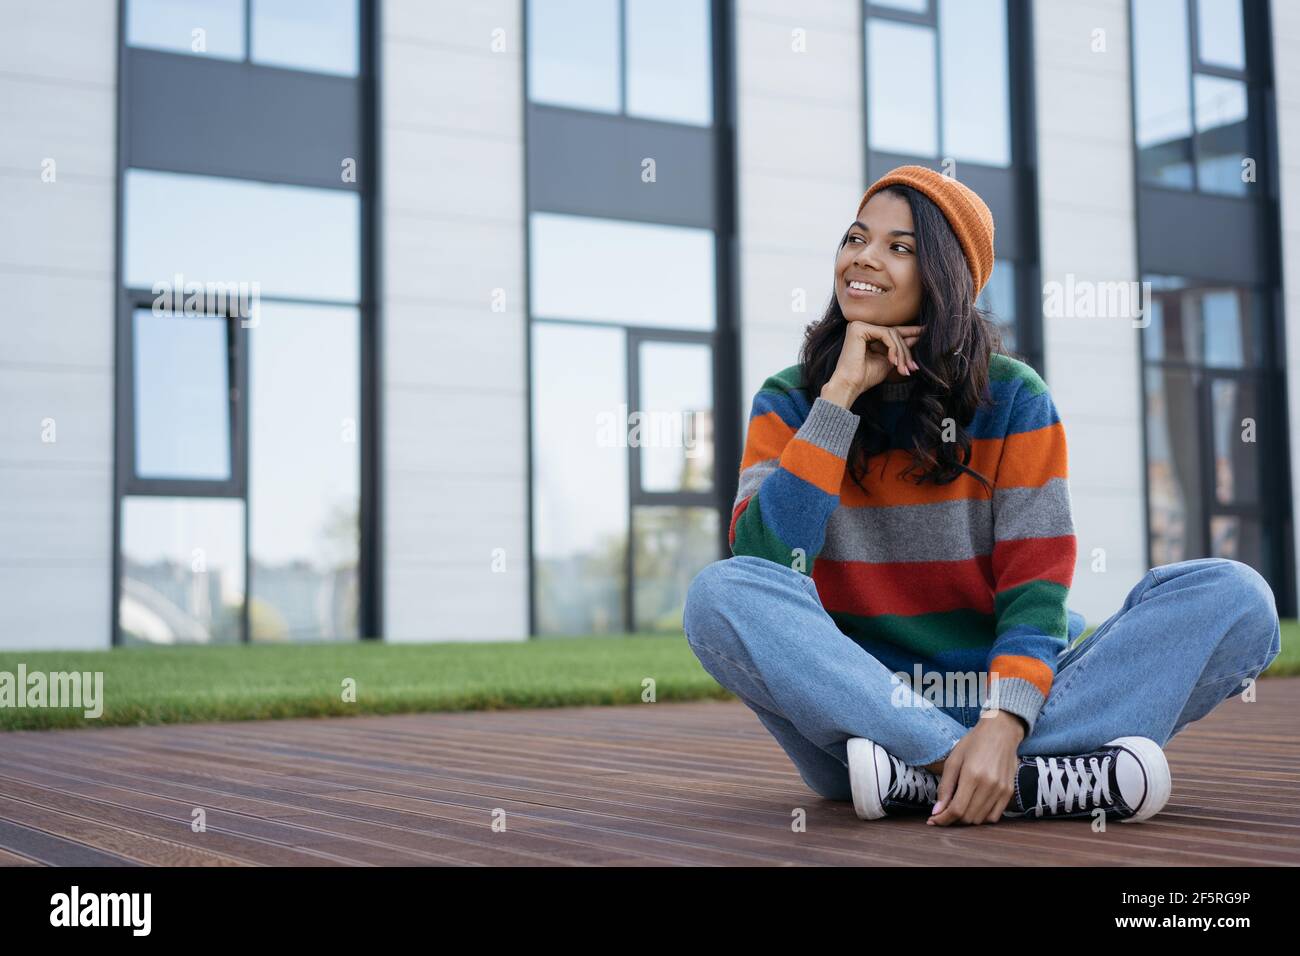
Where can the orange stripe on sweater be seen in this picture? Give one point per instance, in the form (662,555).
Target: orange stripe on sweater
(1033,458)
(814,464)
(888,487)
(768,434)
(1023,459)
(1008,666)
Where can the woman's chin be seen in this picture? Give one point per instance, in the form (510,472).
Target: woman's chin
(858,312)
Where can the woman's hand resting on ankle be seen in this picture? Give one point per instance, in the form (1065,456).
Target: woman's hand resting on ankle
(979,774)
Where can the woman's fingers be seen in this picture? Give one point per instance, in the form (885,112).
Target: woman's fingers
(903,354)
(894,342)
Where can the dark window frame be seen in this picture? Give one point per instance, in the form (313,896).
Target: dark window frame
(1203,376)
(1254,101)
(1262,283)
(722,338)
(622,111)
(236,486)
(127,299)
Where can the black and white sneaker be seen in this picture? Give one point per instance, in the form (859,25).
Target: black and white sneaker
(1127,778)
(882,784)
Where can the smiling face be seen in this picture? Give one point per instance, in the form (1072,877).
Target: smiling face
(877,279)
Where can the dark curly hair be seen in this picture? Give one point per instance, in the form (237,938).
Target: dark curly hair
(953,353)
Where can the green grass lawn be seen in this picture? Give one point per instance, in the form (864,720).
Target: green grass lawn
(150,685)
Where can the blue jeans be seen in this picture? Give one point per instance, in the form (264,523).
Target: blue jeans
(1186,639)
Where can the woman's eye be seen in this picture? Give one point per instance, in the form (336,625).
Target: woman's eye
(855,238)
(899,247)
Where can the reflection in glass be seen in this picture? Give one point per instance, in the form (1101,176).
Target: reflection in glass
(672,546)
(183,571)
(293,241)
(676,402)
(1239,538)
(1220,133)
(304,472)
(1225,533)
(902,114)
(580,476)
(911,6)
(1172,332)
(1227,330)
(669,60)
(182,396)
(999,298)
(612,270)
(573,53)
(973,51)
(1236,448)
(1174,492)
(1161,100)
(317,35)
(200,27)
(1220,34)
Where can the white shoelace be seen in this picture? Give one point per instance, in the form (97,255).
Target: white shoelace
(1065,788)
(913,783)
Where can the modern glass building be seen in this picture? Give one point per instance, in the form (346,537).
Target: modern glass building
(418,321)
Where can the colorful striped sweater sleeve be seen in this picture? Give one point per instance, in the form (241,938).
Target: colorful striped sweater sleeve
(790,474)
(1034,552)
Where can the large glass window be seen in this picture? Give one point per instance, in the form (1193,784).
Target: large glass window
(304,472)
(580,472)
(1208,424)
(573,57)
(614,464)
(201,27)
(644,58)
(672,545)
(676,380)
(609,270)
(937,80)
(1220,33)
(183,571)
(183,410)
(669,61)
(242,456)
(293,241)
(320,36)
(623,321)
(903,112)
(315,35)
(1191,109)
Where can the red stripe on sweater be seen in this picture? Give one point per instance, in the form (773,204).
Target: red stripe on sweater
(905,587)
(1034,559)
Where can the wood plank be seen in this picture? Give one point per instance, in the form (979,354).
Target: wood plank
(699,783)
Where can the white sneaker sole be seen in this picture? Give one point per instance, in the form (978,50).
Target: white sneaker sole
(864,779)
(1159,783)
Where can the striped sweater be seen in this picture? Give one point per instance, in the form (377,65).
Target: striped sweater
(941,576)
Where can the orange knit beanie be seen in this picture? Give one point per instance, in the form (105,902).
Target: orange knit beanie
(970,219)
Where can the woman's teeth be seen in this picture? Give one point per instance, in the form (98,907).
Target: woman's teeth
(866,287)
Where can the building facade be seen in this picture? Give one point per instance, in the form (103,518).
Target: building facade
(431,321)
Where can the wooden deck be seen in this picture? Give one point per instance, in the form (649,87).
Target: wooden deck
(647,785)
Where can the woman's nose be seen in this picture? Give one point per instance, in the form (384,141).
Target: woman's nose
(867,256)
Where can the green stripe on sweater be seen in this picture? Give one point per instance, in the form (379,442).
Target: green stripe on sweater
(1037,604)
